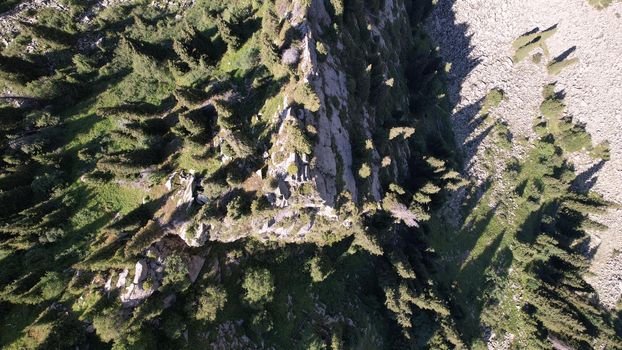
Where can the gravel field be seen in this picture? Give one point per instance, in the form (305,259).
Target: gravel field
(476,37)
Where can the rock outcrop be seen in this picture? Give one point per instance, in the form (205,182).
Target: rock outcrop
(137,291)
(312,159)
(175,216)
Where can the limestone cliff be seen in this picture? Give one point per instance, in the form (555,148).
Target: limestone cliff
(345,90)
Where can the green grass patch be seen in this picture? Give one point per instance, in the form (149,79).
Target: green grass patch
(570,136)
(240,61)
(556,67)
(600,4)
(492,100)
(98,204)
(526,43)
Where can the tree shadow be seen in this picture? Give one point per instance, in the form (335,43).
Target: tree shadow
(565,54)
(586,180)
(468,280)
(471,146)
(454,46)
(472,285)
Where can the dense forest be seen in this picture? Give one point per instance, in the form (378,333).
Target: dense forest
(272,174)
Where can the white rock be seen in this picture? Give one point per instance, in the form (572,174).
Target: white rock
(140,272)
(122,278)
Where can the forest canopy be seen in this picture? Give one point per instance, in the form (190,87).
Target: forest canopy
(270,174)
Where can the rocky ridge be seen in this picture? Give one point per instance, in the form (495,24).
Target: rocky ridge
(312,181)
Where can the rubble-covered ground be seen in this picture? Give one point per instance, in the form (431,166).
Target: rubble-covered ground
(593,87)
(476,37)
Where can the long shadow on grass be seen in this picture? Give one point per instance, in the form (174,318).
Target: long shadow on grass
(471,285)
(463,273)
(476,250)
(586,180)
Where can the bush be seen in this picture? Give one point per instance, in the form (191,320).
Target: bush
(143,238)
(297,139)
(52,285)
(176,271)
(173,325)
(536,58)
(403,130)
(364,171)
(262,322)
(227,35)
(198,121)
(237,207)
(51,235)
(492,100)
(319,268)
(259,287)
(107,325)
(50,87)
(401,265)
(292,169)
(552,108)
(212,301)
(46,183)
(528,42)
(305,95)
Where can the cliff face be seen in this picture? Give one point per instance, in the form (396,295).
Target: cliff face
(346,114)
(345,89)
